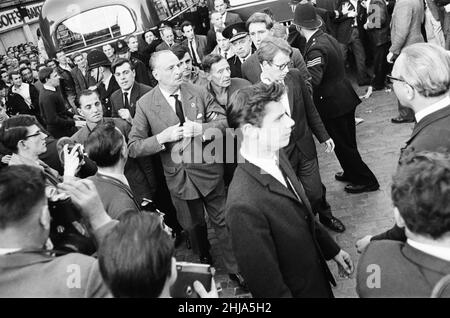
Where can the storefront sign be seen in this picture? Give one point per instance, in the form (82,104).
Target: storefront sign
(10,19)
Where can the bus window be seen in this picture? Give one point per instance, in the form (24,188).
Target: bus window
(168,8)
(234,3)
(94,26)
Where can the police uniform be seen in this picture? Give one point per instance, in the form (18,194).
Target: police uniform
(336,102)
(235,32)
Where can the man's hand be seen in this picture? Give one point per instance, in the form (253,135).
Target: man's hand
(85,196)
(361,244)
(329,145)
(125,114)
(170,134)
(447,8)
(352,14)
(344,262)
(192,129)
(201,291)
(71,160)
(390,58)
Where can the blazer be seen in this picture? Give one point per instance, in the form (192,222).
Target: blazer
(334,96)
(406,24)
(81,82)
(251,69)
(306,117)
(404,270)
(280,249)
(186,179)
(378,30)
(202,45)
(117,99)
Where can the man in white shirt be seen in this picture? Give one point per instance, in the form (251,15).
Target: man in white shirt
(273,230)
(413,268)
(22,98)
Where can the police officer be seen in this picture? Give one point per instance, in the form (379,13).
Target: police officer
(99,68)
(242,45)
(142,73)
(334,98)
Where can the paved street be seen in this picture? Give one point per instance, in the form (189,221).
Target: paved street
(379,143)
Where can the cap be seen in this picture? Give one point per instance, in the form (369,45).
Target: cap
(235,31)
(121,47)
(306,17)
(96,58)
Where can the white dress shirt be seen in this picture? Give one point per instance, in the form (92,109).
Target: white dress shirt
(268,166)
(171,99)
(128,96)
(436,251)
(24,91)
(106,81)
(445,102)
(50,88)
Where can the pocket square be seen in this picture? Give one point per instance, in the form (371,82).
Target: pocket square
(199,116)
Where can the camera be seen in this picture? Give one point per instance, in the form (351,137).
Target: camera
(187,274)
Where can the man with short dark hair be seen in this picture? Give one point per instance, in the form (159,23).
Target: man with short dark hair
(228,18)
(196,44)
(59,121)
(142,73)
(420,194)
(27,75)
(191,73)
(22,98)
(26,268)
(280,248)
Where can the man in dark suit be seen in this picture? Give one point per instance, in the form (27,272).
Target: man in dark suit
(141,70)
(334,98)
(195,43)
(242,46)
(273,230)
(429,101)
(261,23)
(412,268)
(274,55)
(80,74)
(172,120)
(26,269)
(228,18)
(99,68)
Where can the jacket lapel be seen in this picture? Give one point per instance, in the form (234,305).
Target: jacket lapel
(162,107)
(188,102)
(135,91)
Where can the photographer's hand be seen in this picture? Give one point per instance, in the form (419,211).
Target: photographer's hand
(71,160)
(201,291)
(85,196)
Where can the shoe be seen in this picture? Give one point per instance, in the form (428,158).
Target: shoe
(360,188)
(237,277)
(401,120)
(206,259)
(334,224)
(339,176)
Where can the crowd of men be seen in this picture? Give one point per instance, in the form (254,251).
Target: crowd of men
(217,129)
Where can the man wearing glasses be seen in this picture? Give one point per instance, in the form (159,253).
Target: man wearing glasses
(334,98)
(274,58)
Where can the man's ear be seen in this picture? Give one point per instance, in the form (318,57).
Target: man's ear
(155,74)
(410,92)
(398,218)
(173,272)
(44,218)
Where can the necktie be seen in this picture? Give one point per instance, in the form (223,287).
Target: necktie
(193,53)
(225,54)
(126,103)
(178,109)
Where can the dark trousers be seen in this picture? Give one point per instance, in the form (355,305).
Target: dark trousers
(191,215)
(307,170)
(140,175)
(342,131)
(380,65)
(360,55)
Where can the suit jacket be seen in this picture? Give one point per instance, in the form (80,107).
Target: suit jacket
(232,18)
(211,40)
(81,82)
(306,117)
(344,23)
(280,248)
(378,28)
(117,99)
(186,180)
(251,69)
(105,95)
(202,44)
(334,96)
(163,46)
(406,24)
(404,271)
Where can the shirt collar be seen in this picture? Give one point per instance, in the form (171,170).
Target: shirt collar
(263,163)
(167,94)
(128,90)
(4,251)
(436,251)
(50,88)
(266,80)
(246,58)
(433,108)
(117,176)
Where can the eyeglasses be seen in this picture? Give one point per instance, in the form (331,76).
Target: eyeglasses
(392,78)
(282,66)
(38,133)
